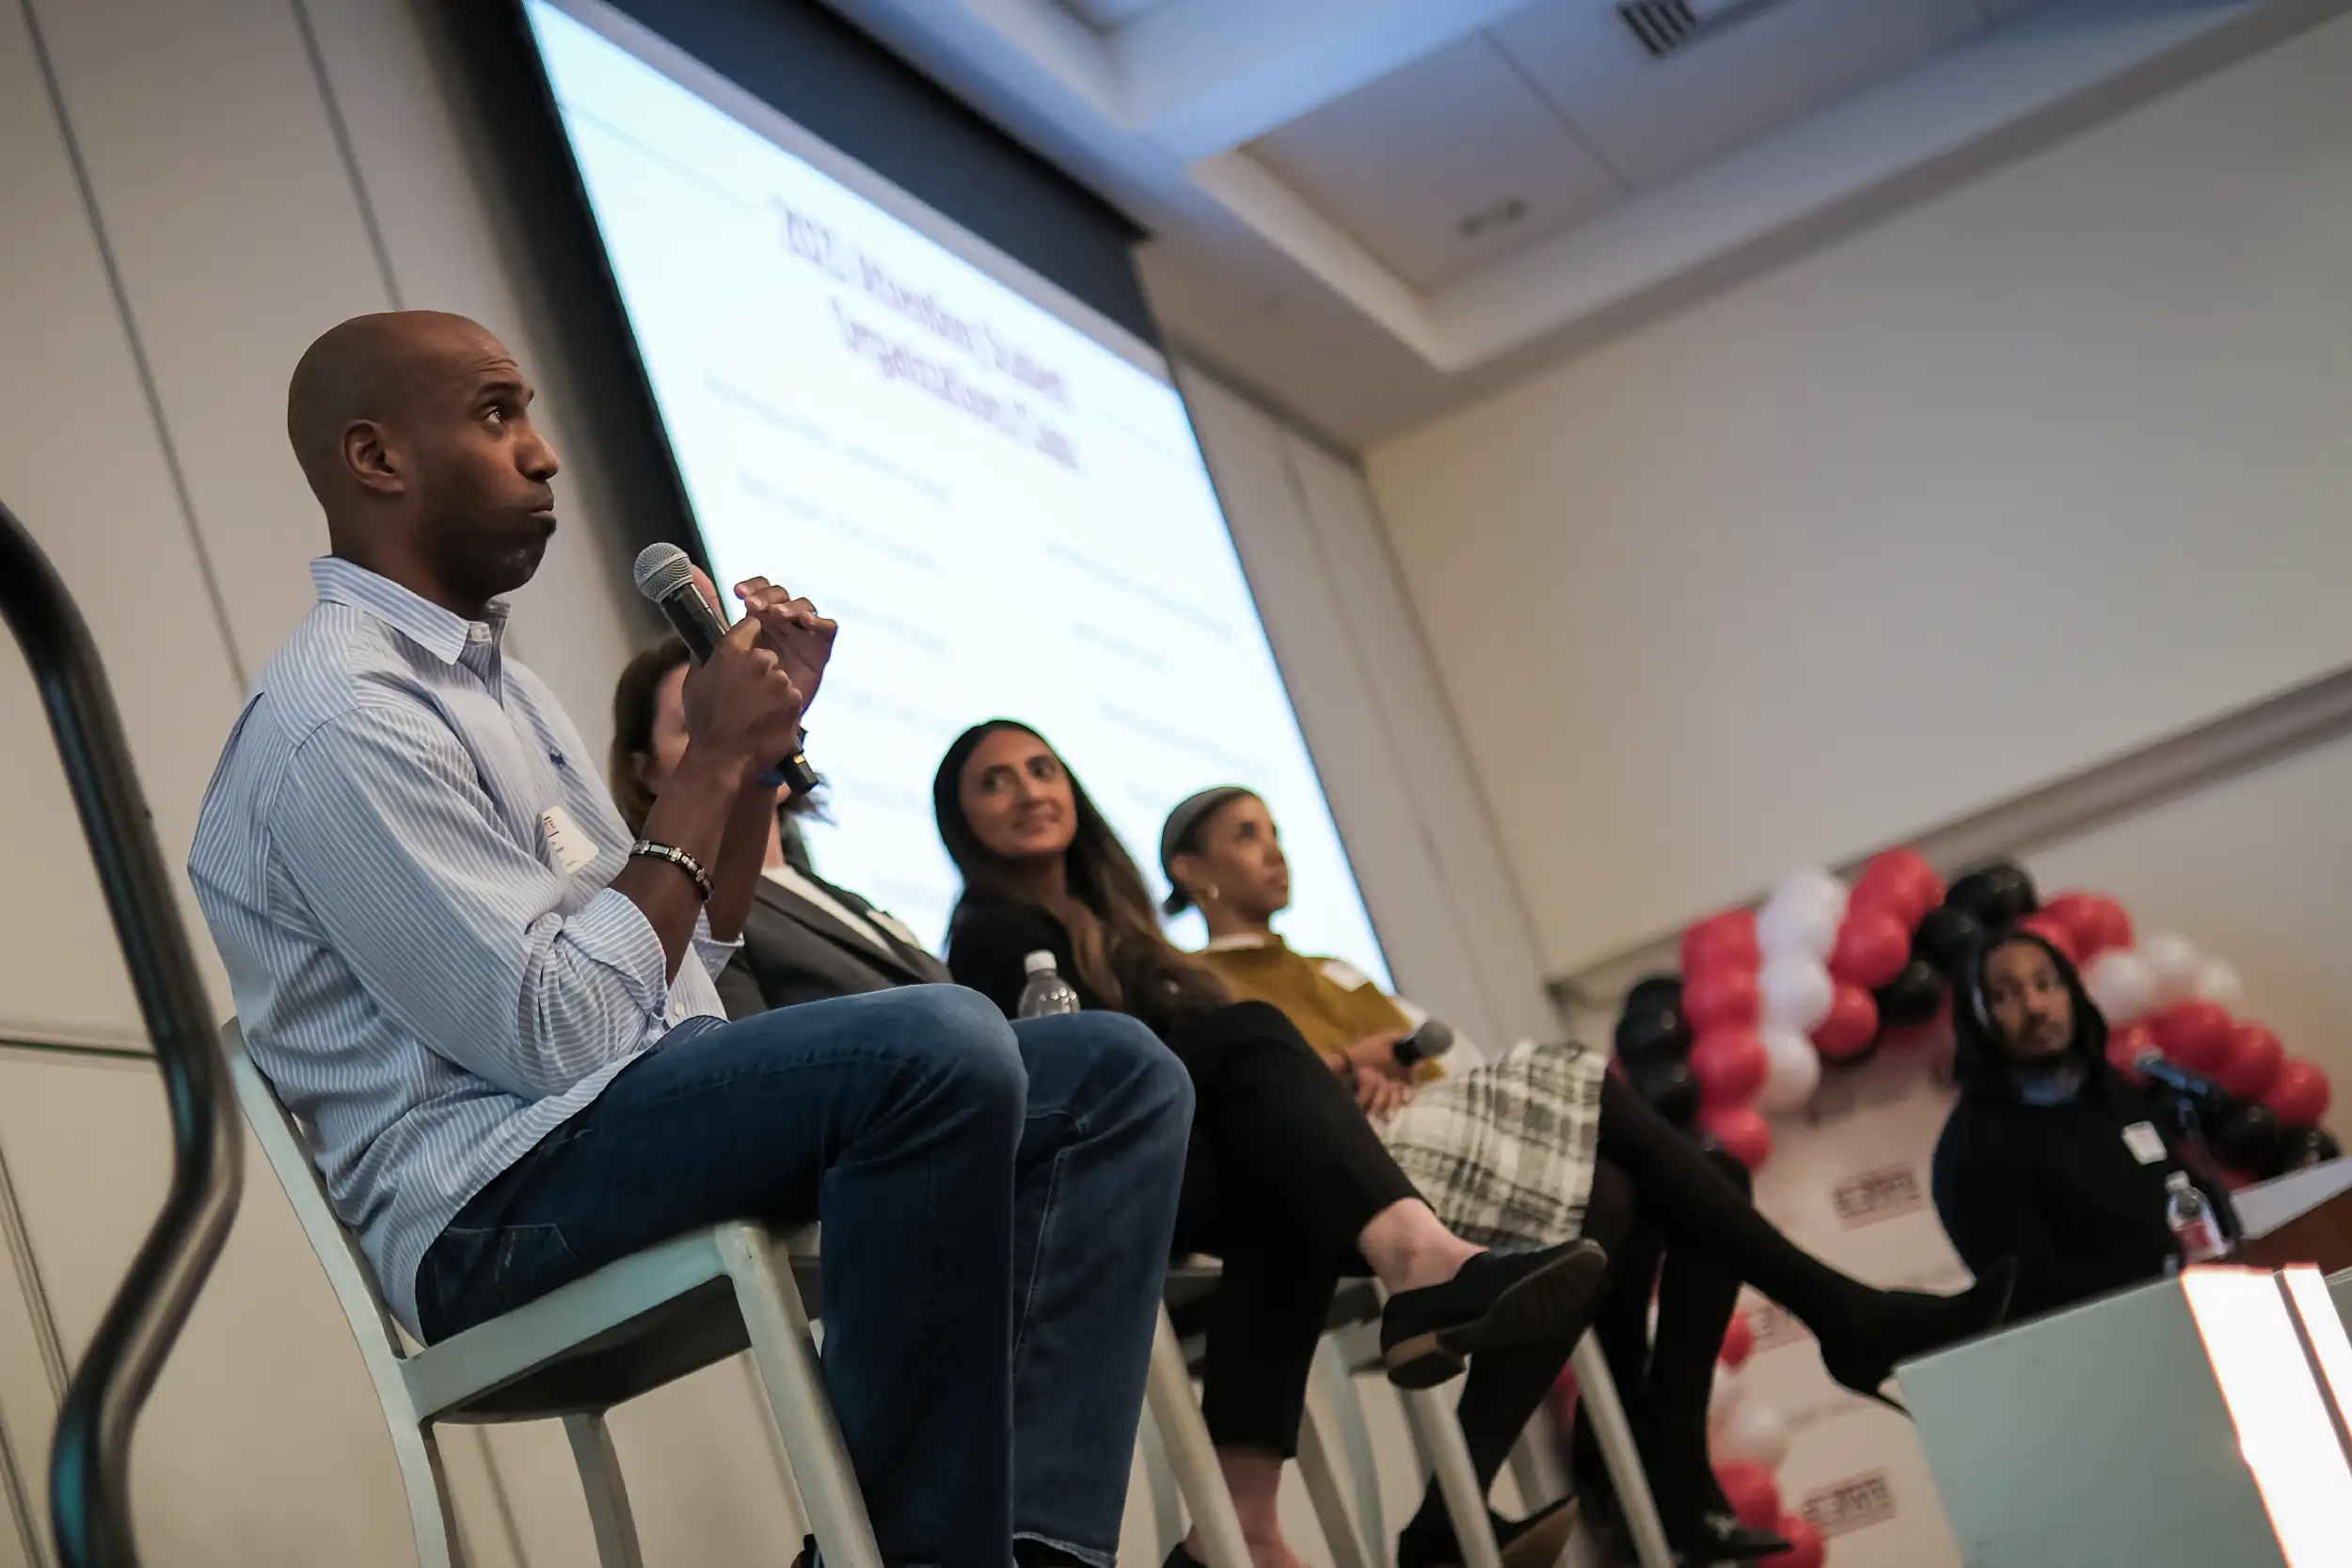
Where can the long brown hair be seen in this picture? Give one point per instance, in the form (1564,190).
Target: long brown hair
(634,705)
(1122,954)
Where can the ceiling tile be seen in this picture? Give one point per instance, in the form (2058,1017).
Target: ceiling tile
(1108,15)
(1406,163)
(1650,118)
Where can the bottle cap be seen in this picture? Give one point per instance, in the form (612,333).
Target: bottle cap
(1040,962)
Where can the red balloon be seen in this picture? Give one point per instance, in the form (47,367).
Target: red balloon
(2078,912)
(2194,1033)
(1721,996)
(2115,927)
(1741,1129)
(1806,1546)
(2054,931)
(1753,1492)
(1726,939)
(2237,1180)
(1739,1342)
(2252,1057)
(1872,948)
(2125,1044)
(1851,1025)
(2298,1096)
(1903,882)
(1729,1064)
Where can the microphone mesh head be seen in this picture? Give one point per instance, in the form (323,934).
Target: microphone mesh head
(661,570)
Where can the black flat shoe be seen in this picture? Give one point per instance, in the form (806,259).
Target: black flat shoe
(1498,1299)
(1535,1542)
(1918,1324)
(1722,1538)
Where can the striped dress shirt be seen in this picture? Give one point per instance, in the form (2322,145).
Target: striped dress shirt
(382,857)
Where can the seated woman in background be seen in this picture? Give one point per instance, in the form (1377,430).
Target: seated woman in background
(2051,1157)
(1284,1181)
(804,940)
(1485,1145)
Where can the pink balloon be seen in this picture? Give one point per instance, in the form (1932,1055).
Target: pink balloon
(1751,1490)
(1739,1342)
(2298,1096)
(1806,1546)
(1851,1025)
(1727,939)
(1721,996)
(1729,1062)
(1872,948)
(1741,1130)
(2250,1059)
(2195,1033)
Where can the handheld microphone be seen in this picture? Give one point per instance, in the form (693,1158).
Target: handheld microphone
(1434,1037)
(2154,1066)
(666,575)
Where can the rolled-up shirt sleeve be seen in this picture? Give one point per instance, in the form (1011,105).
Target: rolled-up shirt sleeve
(715,954)
(383,830)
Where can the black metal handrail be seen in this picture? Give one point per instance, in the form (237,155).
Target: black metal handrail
(90,1465)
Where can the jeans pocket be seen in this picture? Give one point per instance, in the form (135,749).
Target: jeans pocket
(472,1276)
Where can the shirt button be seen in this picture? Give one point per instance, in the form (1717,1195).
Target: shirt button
(677,1012)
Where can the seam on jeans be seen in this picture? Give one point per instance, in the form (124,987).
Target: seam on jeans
(1036,1275)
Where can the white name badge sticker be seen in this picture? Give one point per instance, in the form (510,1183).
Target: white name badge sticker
(571,847)
(2145,1142)
(1346,976)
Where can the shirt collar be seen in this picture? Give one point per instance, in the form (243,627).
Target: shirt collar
(1239,941)
(437,631)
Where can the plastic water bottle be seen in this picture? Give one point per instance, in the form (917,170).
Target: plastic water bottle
(1046,992)
(2195,1229)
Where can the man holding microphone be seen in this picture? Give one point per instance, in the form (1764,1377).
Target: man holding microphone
(496,1008)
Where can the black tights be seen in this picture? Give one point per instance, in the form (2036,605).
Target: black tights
(1656,1195)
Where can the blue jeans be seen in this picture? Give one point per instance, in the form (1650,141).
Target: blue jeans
(997,1202)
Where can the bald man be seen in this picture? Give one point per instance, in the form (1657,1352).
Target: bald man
(496,1011)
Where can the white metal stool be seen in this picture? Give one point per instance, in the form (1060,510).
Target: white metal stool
(577,1351)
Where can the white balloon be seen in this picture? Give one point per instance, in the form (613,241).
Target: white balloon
(1723,1400)
(1801,915)
(1797,992)
(2173,960)
(1755,1432)
(2121,982)
(1792,1071)
(2218,982)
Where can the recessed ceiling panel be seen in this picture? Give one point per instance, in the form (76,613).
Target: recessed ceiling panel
(1442,166)
(1650,118)
(1106,15)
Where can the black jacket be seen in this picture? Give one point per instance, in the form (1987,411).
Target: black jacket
(2056,1187)
(794,951)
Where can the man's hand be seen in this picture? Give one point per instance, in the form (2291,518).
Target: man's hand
(741,705)
(790,628)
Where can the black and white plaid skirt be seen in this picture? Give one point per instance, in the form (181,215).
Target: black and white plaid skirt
(1505,1153)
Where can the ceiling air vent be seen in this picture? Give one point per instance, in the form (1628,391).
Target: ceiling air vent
(1668,26)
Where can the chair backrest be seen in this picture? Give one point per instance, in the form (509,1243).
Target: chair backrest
(287,1146)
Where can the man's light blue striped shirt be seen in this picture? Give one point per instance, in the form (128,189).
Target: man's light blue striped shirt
(415,971)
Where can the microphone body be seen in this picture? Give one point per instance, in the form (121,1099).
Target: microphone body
(666,577)
(2188,1085)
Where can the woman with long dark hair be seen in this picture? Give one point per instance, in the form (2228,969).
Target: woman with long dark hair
(1284,1180)
(1541,1144)
(2051,1157)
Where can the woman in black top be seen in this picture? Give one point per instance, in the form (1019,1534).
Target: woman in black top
(1285,1181)
(2051,1157)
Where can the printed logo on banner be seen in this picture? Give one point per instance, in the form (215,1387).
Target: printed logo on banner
(1869,1197)
(1854,1504)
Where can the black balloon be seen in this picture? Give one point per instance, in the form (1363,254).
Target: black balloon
(1653,1029)
(1912,996)
(2307,1146)
(1667,1085)
(1655,987)
(1946,934)
(1998,895)
(2247,1138)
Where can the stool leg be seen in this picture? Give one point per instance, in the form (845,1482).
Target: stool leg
(1346,1405)
(1429,1415)
(607,1497)
(1159,1484)
(794,1382)
(430,1517)
(1597,1402)
(1169,1392)
(1321,1470)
